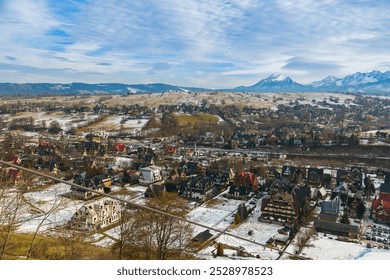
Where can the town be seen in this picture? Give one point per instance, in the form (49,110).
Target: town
(257,176)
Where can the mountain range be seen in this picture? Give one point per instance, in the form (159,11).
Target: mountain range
(375,82)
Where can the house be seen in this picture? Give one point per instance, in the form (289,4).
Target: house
(96,185)
(380,210)
(196,187)
(96,215)
(191,168)
(46,148)
(120,148)
(202,236)
(243,184)
(330,210)
(150,174)
(172,150)
(341,191)
(315,177)
(292,173)
(246,179)
(353,177)
(14,173)
(155,190)
(353,204)
(285,207)
(330,227)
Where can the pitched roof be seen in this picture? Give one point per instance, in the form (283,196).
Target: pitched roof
(202,236)
(380,202)
(120,147)
(154,191)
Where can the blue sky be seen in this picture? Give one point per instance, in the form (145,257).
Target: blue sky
(213,43)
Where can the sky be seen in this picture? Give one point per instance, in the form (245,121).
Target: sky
(213,43)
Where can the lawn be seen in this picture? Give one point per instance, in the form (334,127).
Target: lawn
(195,119)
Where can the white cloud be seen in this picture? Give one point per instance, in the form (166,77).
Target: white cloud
(199,41)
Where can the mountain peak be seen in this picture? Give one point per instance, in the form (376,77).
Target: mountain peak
(277,77)
(274,83)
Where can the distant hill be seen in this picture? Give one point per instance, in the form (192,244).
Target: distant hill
(83,88)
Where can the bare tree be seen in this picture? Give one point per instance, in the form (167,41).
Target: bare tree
(9,210)
(56,204)
(147,235)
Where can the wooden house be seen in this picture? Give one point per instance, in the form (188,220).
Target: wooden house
(330,227)
(315,177)
(94,185)
(285,207)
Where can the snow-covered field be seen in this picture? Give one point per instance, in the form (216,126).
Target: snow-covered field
(221,216)
(327,247)
(49,200)
(65,121)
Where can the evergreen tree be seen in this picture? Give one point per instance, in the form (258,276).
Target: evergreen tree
(360,209)
(345,218)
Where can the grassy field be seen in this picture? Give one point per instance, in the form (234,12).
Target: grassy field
(196,119)
(54,248)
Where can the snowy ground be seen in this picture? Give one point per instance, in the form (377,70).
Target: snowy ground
(217,213)
(65,121)
(327,247)
(38,203)
(221,216)
(111,123)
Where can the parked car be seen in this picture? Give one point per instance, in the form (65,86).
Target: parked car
(369,245)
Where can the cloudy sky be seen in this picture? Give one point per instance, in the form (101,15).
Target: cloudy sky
(206,43)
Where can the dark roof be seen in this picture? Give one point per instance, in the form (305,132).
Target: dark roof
(288,171)
(384,188)
(154,191)
(202,236)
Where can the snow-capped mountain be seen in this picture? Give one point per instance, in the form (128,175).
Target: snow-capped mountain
(375,82)
(329,81)
(371,82)
(365,78)
(274,83)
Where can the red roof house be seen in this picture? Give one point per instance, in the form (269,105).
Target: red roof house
(381,207)
(246,179)
(120,148)
(14,173)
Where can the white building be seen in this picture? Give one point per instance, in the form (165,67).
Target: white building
(150,175)
(96,215)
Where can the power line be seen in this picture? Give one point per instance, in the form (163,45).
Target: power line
(138,205)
